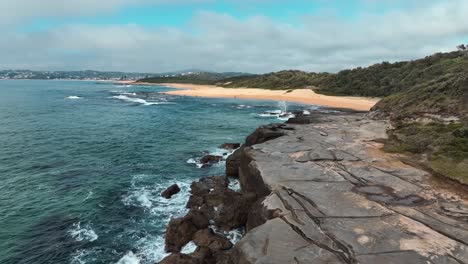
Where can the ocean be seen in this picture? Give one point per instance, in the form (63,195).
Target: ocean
(83,163)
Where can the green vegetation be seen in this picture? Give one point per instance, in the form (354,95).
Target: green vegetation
(442,147)
(193,78)
(283,80)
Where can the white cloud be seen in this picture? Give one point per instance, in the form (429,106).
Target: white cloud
(220,42)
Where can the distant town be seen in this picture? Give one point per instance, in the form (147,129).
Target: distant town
(85,75)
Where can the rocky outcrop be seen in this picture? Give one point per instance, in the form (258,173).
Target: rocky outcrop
(328,194)
(170,191)
(213,207)
(320,190)
(208,160)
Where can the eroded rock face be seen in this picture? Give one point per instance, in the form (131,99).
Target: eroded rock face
(170,191)
(233,163)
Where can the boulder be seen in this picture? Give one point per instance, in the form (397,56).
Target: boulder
(180,230)
(230,146)
(170,191)
(207,238)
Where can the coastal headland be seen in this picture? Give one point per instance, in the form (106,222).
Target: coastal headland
(319,189)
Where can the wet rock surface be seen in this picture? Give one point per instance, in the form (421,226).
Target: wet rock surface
(326,193)
(170,191)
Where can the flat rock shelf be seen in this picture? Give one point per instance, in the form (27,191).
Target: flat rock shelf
(328,194)
(324,192)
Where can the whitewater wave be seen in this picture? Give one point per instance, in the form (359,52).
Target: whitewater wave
(85,233)
(150,248)
(83,256)
(134,100)
(124,97)
(73,97)
(129,258)
(279,114)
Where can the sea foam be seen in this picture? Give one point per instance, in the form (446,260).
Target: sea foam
(83,233)
(129,258)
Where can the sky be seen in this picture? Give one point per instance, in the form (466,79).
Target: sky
(254,36)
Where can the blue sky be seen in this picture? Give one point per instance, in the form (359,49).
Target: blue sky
(229,35)
(180,15)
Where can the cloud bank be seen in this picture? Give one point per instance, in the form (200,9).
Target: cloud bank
(220,42)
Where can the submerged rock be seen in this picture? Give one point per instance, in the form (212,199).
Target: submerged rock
(170,191)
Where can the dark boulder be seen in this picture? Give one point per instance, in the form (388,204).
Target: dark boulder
(207,238)
(230,146)
(170,191)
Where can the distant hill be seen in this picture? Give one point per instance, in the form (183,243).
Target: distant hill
(193,77)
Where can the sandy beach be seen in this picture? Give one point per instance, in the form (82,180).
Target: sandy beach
(303,96)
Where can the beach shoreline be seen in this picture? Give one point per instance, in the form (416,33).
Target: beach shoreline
(302,96)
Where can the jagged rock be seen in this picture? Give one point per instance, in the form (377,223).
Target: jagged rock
(180,230)
(208,160)
(230,146)
(228,208)
(207,238)
(200,256)
(206,184)
(170,191)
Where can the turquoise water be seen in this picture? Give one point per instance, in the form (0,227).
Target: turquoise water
(82,165)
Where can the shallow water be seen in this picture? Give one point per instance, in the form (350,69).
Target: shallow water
(82,166)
